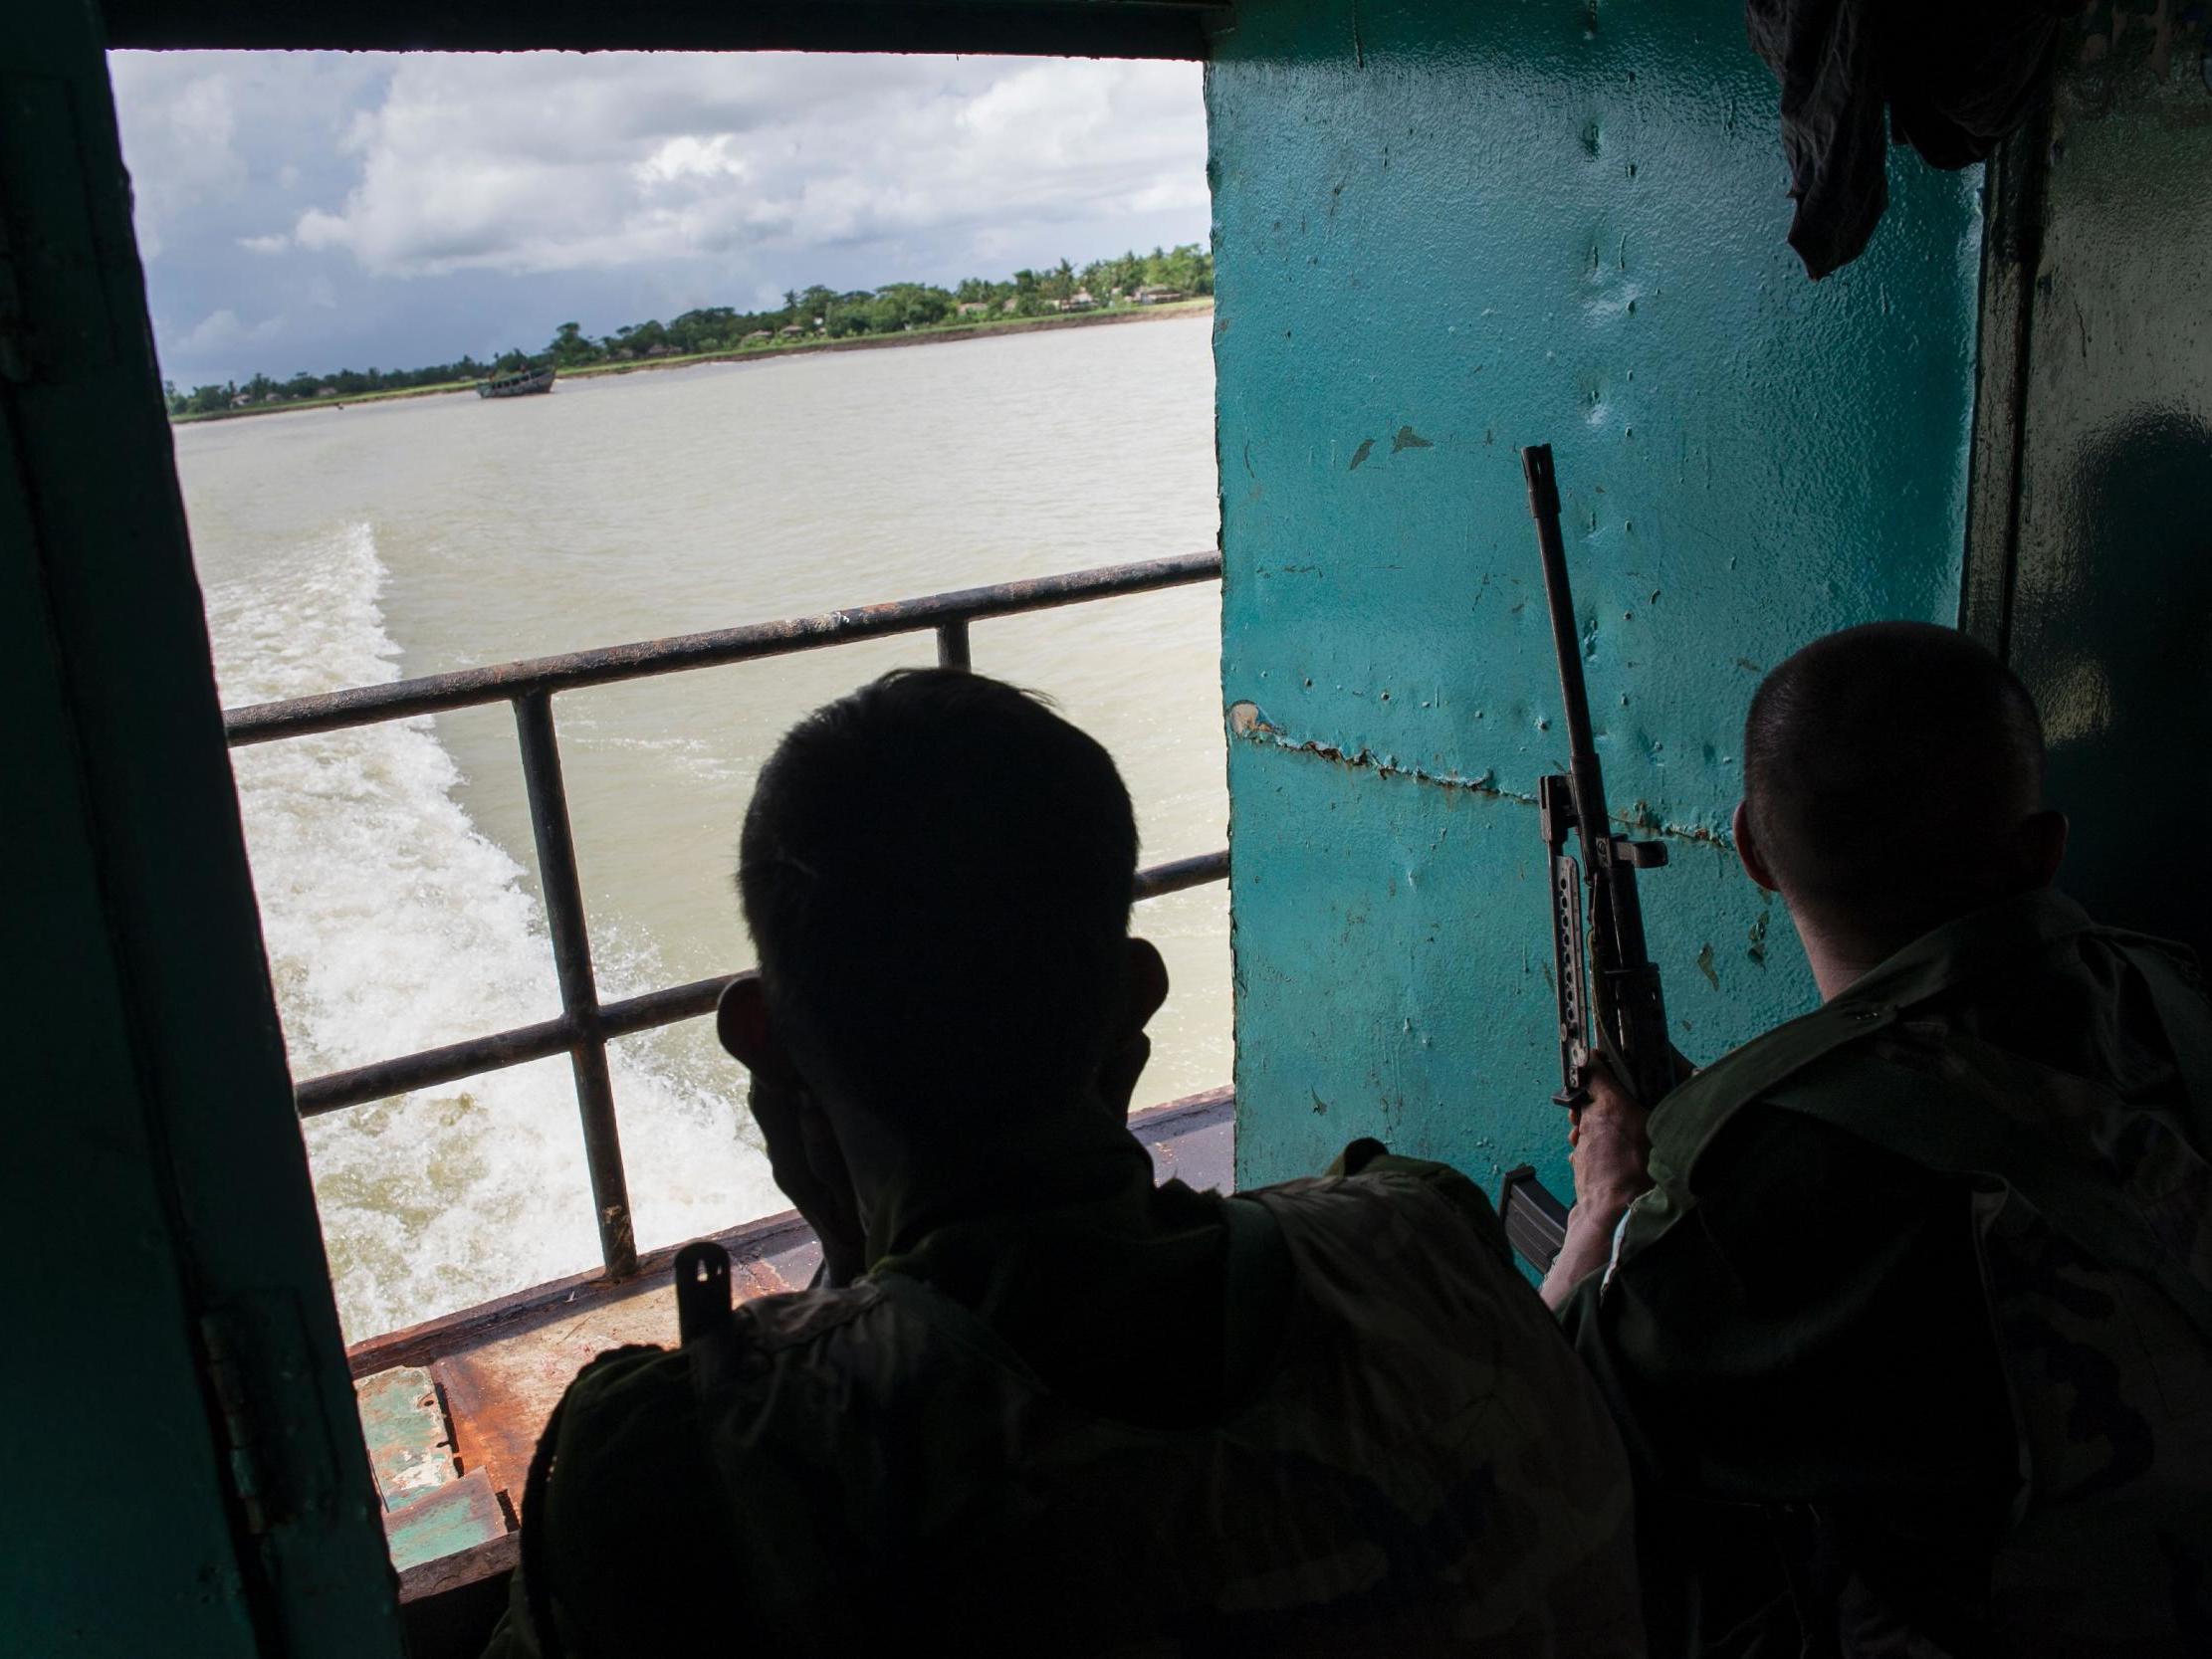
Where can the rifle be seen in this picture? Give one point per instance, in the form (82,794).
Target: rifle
(1610,1004)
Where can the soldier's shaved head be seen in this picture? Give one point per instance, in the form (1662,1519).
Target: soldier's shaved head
(935,871)
(1888,774)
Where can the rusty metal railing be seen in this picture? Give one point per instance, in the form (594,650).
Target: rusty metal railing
(585,1024)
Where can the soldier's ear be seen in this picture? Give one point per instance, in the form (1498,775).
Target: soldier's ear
(1749,849)
(1144,987)
(2041,837)
(747,1031)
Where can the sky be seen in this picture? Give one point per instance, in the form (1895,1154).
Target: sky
(314,211)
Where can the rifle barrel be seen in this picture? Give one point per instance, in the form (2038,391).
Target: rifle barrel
(1559,600)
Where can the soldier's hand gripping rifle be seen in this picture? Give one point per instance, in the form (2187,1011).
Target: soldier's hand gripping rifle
(1609,1005)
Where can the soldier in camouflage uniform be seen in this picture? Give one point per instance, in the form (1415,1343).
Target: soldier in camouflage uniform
(1910,1332)
(1039,1404)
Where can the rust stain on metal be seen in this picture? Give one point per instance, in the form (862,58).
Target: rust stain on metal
(501,1388)
(502,1392)
(1248,722)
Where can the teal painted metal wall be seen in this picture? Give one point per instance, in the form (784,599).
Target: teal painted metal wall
(1444,231)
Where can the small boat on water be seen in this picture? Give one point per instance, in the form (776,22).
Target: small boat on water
(520,383)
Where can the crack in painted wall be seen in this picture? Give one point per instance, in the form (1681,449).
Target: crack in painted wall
(1248,722)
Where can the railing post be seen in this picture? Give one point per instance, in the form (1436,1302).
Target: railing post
(579,997)
(952,646)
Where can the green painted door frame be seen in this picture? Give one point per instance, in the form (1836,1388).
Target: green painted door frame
(184,1472)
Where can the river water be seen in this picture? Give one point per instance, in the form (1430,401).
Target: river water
(395,864)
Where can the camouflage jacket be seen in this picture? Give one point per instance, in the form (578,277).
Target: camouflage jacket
(1413,1462)
(1912,1339)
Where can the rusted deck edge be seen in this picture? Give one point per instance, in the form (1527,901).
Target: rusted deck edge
(1174,1117)
(525,1310)
(489,1559)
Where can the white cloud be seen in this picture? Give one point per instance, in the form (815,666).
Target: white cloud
(214,137)
(538,162)
(221,331)
(184,123)
(688,157)
(318,228)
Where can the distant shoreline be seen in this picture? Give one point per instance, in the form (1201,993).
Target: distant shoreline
(937,334)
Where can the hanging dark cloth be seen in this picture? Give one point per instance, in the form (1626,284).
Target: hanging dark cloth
(1957,77)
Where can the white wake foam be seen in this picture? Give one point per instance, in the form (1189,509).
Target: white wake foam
(393,923)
